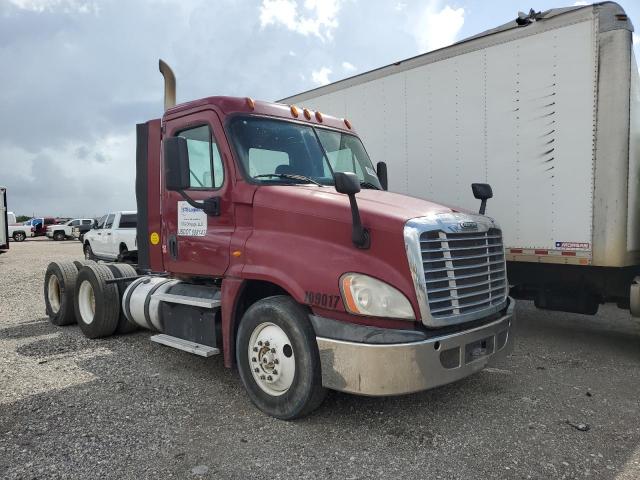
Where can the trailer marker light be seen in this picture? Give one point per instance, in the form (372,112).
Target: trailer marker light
(319,117)
(307,114)
(347,123)
(250,103)
(569,254)
(236,253)
(542,252)
(294,111)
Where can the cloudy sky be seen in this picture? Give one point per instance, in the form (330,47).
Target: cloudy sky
(77,75)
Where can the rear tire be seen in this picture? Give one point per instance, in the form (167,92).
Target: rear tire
(120,270)
(88,252)
(277,329)
(19,236)
(59,236)
(96,302)
(59,290)
(83,263)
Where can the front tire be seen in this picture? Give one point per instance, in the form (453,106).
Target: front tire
(19,236)
(88,253)
(59,236)
(278,359)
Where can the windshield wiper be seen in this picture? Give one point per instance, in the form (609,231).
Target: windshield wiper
(290,176)
(369,185)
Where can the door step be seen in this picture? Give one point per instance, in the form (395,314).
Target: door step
(186,300)
(186,345)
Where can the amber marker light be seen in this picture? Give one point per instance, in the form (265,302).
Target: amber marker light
(294,111)
(307,114)
(250,103)
(319,117)
(348,296)
(347,123)
(236,253)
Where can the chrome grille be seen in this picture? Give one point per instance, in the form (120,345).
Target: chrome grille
(464,272)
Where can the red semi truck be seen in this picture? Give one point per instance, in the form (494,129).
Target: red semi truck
(266,234)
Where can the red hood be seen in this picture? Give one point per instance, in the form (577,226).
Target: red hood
(378,209)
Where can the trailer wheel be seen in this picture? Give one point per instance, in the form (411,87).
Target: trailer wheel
(19,236)
(96,301)
(278,358)
(120,270)
(59,236)
(83,263)
(88,252)
(59,289)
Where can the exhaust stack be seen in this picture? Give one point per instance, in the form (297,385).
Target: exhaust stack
(169,85)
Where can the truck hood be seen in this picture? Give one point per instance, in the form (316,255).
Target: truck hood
(378,209)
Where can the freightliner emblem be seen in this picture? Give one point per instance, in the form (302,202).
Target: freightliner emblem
(464,227)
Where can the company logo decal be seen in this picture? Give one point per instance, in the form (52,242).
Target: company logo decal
(573,245)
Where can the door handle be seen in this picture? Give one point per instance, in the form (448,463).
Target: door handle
(109,233)
(173,247)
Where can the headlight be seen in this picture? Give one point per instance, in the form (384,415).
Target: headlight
(364,295)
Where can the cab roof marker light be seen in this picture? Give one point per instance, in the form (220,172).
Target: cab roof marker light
(250,103)
(347,123)
(319,117)
(307,114)
(294,111)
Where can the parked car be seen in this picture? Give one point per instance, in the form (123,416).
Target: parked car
(113,238)
(80,230)
(40,225)
(19,232)
(65,230)
(4,221)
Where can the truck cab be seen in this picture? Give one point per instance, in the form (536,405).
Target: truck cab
(265,234)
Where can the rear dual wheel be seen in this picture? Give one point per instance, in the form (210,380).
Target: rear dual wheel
(97,303)
(59,290)
(278,359)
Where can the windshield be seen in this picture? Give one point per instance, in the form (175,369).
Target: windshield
(272,149)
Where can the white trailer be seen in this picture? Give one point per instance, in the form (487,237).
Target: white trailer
(4,221)
(546,109)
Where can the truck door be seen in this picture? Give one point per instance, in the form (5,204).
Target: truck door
(193,242)
(103,235)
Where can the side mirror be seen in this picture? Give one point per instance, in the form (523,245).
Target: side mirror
(176,163)
(346,182)
(483,192)
(349,184)
(381,170)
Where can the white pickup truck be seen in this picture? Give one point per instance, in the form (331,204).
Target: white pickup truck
(113,237)
(65,230)
(19,232)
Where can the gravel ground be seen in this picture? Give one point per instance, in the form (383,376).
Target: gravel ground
(566,404)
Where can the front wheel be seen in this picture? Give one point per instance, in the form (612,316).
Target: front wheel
(59,236)
(278,358)
(88,252)
(19,236)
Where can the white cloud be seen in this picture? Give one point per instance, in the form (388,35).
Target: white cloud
(348,67)
(80,6)
(438,27)
(321,77)
(319,18)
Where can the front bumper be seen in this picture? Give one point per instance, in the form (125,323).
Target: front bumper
(399,368)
